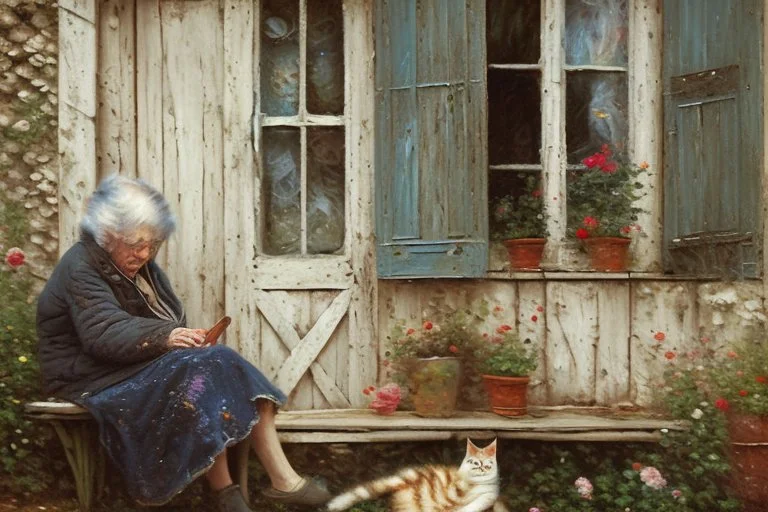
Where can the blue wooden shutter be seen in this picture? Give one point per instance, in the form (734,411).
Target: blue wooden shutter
(431,164)
(713,98)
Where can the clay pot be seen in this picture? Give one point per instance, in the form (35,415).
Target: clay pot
(525,253)
(434,386)
(508,395)
(749,459)
(608,253)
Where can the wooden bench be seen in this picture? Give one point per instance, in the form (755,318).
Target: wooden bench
(78,435)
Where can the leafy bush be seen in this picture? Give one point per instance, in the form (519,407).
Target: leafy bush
(505,355)
(520,215)
(24,462)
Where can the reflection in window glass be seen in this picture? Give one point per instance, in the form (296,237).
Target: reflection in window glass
(280,57)
(325,190)
(282,190)
(596,113)
(596,32)
(514,117)
(325,57)
(513,31)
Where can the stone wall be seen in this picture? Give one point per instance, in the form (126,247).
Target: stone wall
(28,112)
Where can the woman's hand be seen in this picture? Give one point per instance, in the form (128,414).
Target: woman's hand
(182,337)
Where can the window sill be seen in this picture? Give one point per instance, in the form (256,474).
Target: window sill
(546,275)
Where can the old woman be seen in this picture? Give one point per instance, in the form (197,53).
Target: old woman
(114,339)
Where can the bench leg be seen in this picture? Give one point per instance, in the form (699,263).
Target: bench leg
(242,452)
(85,456)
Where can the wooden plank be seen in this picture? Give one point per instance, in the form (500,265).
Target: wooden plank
(77,171)
(149,94)
(303,355)
(657,307)
(613,334)
(192,48)
(572,318)
(116,143)
(545,420)
(532,298)
(645,138)
(439,435)
(77,62)
(239,221)
(360,117)
(299,314)
(327,359)
(274,306)
(85,9)
(333,272)
(553,151)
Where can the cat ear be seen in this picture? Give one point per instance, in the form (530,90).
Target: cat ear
(472,450)
(490,450)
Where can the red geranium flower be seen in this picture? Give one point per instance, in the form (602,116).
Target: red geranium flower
(761,379)
(540,308)
(534,318)
(722,404)
(453,348)
(590,222)
(582,233)
(596,160)
(427,325)
(637,466)
(536,193)
(14,257)
(743,392)
(670,355)
(660,336)
(609,167)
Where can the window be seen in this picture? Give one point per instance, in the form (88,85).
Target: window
(302,127)
(473,97)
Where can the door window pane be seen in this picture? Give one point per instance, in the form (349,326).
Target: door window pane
(325,190)
(282,186)
(280,57)
(325,57)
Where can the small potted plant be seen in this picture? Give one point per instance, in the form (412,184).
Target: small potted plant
(520,223)
(602,212)
(433,359)
(505,365)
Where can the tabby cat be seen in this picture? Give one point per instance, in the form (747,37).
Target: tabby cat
(472,487)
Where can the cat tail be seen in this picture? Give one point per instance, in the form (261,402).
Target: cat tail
(371,490)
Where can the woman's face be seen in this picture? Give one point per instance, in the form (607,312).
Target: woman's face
(131,252)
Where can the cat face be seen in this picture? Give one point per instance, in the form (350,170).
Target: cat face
(479,462)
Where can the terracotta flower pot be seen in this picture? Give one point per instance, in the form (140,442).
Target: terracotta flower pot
(608,253)
(508,395)
(525,253)
(434,386)
(749,459)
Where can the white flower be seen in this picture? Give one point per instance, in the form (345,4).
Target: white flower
(18,431)
(664,430)
(697,414)
(756,396)
(25,441)
(13,446)
(704,404)
(700,368)
(713,456)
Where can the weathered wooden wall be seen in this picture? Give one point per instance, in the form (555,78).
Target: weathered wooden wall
(595,338)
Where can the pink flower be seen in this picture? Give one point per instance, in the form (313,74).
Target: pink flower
(14,257)
(677,493)
(652,477)
(534,509)
(453,348)
(410,331)
(584,487)
(387,399)
(540,308)
(427,325)
(590,222)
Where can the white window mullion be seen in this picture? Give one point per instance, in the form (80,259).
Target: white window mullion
(302,118)
(553,149)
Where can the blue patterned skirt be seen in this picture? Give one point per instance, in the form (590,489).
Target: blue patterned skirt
(164,426)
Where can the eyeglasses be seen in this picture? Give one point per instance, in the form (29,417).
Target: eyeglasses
(141,245)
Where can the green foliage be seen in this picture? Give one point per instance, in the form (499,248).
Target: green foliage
(601,199)
(520,215)
(739,380)
(505,355)
(24,465)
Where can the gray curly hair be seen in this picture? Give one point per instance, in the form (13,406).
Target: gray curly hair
(121,205)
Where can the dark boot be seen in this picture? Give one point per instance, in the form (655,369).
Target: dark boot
(230,499)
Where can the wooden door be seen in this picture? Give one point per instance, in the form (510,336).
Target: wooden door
(302,286)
